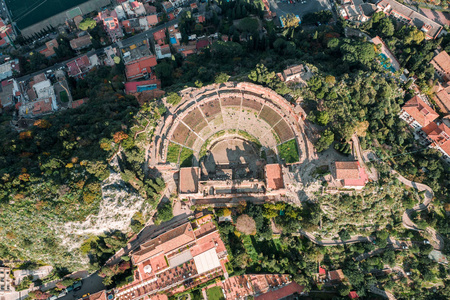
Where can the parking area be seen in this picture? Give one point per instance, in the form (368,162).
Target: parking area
(299,7)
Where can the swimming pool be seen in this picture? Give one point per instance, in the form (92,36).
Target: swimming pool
(173,40)
(387,65)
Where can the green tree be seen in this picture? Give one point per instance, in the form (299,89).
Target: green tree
(325,140)
(221,78)
(173,99)
(322,118)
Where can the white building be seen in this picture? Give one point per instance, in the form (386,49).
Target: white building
(120,12)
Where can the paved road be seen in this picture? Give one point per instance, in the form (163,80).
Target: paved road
(436,239)
(91,284)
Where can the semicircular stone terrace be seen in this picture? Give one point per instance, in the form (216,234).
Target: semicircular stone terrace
(229,107)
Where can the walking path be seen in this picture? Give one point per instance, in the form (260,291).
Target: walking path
(436,239)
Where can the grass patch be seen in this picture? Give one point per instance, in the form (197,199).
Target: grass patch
(186,157)
(288,151)
(64,97)
(215,293)
(249,137)
(173,151)
(249,247)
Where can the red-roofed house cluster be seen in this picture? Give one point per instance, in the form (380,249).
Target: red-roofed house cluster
(6,34)
(176,260)
(422,118)
(80,66)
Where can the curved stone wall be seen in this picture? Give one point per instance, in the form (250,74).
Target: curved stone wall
(231,107)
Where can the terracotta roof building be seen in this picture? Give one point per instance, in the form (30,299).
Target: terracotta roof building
(6,34)
(439,137)
(417,113)
(81,42)
(352,175)
(159,37)
(189,180)
(140,67)
(441,63)
(50,48)
(336,276)
(353,295)
(442,99)
(274,177)
(293,73)
(281,293)
(78,67)
(187,255)
(97,296)
(406,15)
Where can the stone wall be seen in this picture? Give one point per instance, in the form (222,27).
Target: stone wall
(60,18)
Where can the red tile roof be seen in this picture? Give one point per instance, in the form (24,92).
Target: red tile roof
(274,176)
(442,61)
(202,43)
(159,36)
(442,100)
(347,169)
(322,271)
(440,135)
(201,19)
(141,67)
(420,111)
(77,103)
(164,243)
(42,106)
(336,275)
(97,296)
(353,295)
(285,291)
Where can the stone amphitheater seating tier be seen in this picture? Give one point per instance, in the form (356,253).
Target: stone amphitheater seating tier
(269,115)
(230,102)
(252,104)
(180,133)
(283,131)
(191,139)
(194,119)
(211,109)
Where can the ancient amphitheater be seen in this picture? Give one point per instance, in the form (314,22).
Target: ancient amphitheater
(240,109)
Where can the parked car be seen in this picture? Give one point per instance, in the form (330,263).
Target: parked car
(426,242)
(77,285)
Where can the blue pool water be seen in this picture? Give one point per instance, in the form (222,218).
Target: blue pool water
(173,40)
(387,66)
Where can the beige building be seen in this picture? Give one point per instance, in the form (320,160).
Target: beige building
(5,281)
